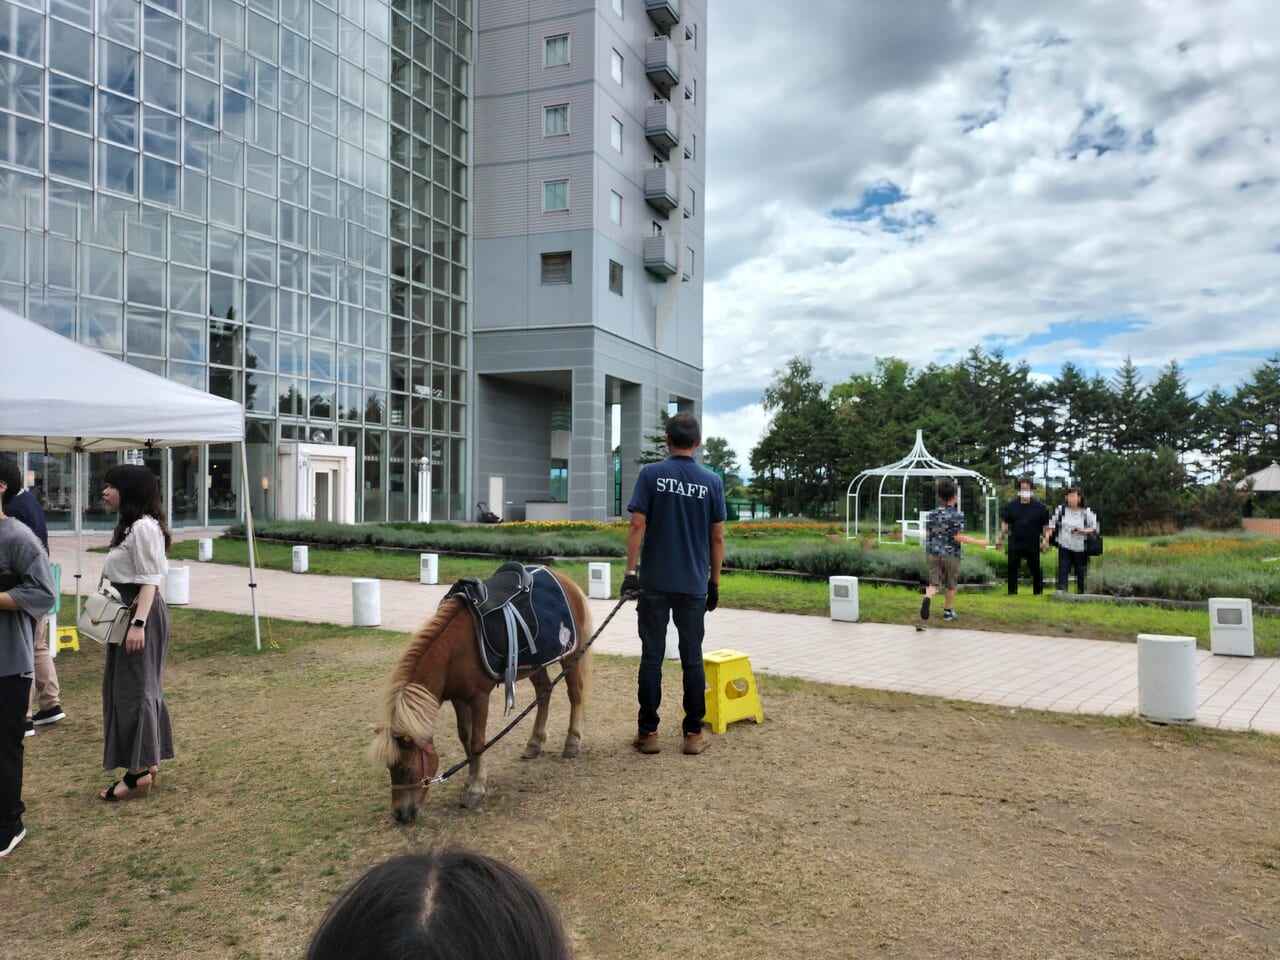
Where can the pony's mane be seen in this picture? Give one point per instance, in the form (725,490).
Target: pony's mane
(409,708)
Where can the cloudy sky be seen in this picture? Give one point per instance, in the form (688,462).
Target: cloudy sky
(1078,180)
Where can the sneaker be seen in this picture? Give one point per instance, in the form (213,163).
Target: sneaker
(646,742)
(30,731)
(948,614)
(695,743)
(10,840)
(51,715)
(924,608)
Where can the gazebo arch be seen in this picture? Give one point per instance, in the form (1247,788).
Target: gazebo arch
(918,463)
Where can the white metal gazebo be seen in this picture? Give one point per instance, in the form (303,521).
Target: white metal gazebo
(895,477)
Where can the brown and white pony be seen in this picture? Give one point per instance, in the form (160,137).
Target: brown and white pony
(442,662)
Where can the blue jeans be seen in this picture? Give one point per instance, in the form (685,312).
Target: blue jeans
(653,610)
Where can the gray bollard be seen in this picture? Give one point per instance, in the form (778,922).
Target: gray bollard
(366,602)
(301,557)
(204,548)
(428,568)
(599,581)
(177,586)
(843,596)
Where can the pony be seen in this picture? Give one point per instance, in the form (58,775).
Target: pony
(442,662)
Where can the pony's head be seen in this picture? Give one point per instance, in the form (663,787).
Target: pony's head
(405,746)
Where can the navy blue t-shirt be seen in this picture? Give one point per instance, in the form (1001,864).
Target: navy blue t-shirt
(681,500)
(26,507)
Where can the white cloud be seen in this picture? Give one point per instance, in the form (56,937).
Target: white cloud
(1064,165)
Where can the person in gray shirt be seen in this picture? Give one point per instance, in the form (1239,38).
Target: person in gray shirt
(26,594)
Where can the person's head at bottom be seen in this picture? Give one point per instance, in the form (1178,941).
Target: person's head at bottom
(443,903)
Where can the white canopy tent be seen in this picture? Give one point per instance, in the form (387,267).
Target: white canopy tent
(57,396)
(1266,480)
(893,481)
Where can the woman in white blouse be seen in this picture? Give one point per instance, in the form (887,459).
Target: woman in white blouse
(137,733)
(1072,522)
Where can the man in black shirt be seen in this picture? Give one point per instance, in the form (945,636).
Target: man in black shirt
(1025,522)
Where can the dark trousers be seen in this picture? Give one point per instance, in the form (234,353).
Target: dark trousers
(1031,553)
(1072,561)
(15,691)
(686,610)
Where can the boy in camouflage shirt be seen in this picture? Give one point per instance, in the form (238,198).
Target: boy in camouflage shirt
(943,535)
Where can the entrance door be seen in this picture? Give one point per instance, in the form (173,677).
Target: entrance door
(324,498)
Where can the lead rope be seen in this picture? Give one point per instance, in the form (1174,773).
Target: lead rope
(564,668)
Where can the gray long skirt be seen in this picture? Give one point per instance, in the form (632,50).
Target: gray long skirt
(135,721)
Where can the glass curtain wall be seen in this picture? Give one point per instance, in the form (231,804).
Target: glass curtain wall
(266,200)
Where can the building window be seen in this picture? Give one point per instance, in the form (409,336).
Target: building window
(691,90)
(655,228)
(689,200)
(615,277)
(688,262)
(691,146)
(615,134)
(691,34)
(617,7)
(615,207)
(555,196)
(615,68)
(557,268)
(555,50)
(555,120)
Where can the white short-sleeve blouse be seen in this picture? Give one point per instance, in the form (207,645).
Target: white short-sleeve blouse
(140,556)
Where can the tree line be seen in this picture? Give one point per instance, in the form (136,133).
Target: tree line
(1153,455)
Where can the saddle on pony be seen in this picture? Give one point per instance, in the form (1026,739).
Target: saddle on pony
(522,618)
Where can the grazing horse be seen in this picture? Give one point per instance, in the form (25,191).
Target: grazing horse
(442,662)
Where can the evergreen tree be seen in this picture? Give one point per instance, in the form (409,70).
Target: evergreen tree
(1127,427)
(1169,414)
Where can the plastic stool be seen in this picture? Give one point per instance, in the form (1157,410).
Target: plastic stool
(67,638)
(727,701)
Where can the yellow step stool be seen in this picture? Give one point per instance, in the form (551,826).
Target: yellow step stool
(67,638)
(731,689)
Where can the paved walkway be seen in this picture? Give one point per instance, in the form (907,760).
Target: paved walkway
(1067,675)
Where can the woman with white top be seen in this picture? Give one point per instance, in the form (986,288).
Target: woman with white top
(1073,522)
(137,734)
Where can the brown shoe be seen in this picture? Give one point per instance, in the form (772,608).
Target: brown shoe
(695,743)
(646,742)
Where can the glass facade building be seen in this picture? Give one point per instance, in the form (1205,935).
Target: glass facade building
(267,200)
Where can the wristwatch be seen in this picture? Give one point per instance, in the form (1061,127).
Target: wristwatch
(138,623)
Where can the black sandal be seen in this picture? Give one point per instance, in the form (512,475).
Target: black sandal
(132,787)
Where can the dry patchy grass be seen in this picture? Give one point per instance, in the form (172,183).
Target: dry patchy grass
(850,824)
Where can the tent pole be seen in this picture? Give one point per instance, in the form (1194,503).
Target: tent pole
(79,521)
(248,526)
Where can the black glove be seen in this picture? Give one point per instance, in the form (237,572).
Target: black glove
(630,587)
(713,596)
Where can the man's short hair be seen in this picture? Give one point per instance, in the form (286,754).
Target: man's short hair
(1027,480)
(946,490)
(11,477)
(683,431)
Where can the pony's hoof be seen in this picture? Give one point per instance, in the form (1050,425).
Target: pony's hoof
(471,799)
(571,750)
(531,751)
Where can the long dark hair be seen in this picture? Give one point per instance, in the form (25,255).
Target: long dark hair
(442,903)
(139,497)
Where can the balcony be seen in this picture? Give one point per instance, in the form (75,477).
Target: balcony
(660,256)
(664,13)
(662,125)
(660,189)
(661,64)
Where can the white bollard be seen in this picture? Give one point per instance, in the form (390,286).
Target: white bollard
(673,642)
(301,556)
(1166,678)
(204,549)
(177,586)
(428,568)
(366,602)
(599,582)
(53,636)
(843,595)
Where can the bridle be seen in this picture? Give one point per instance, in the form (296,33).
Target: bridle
(564,669)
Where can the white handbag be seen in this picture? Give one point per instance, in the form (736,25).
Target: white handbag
(104,616)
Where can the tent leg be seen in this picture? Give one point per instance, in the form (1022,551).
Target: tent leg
(248,526)
(79,532)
